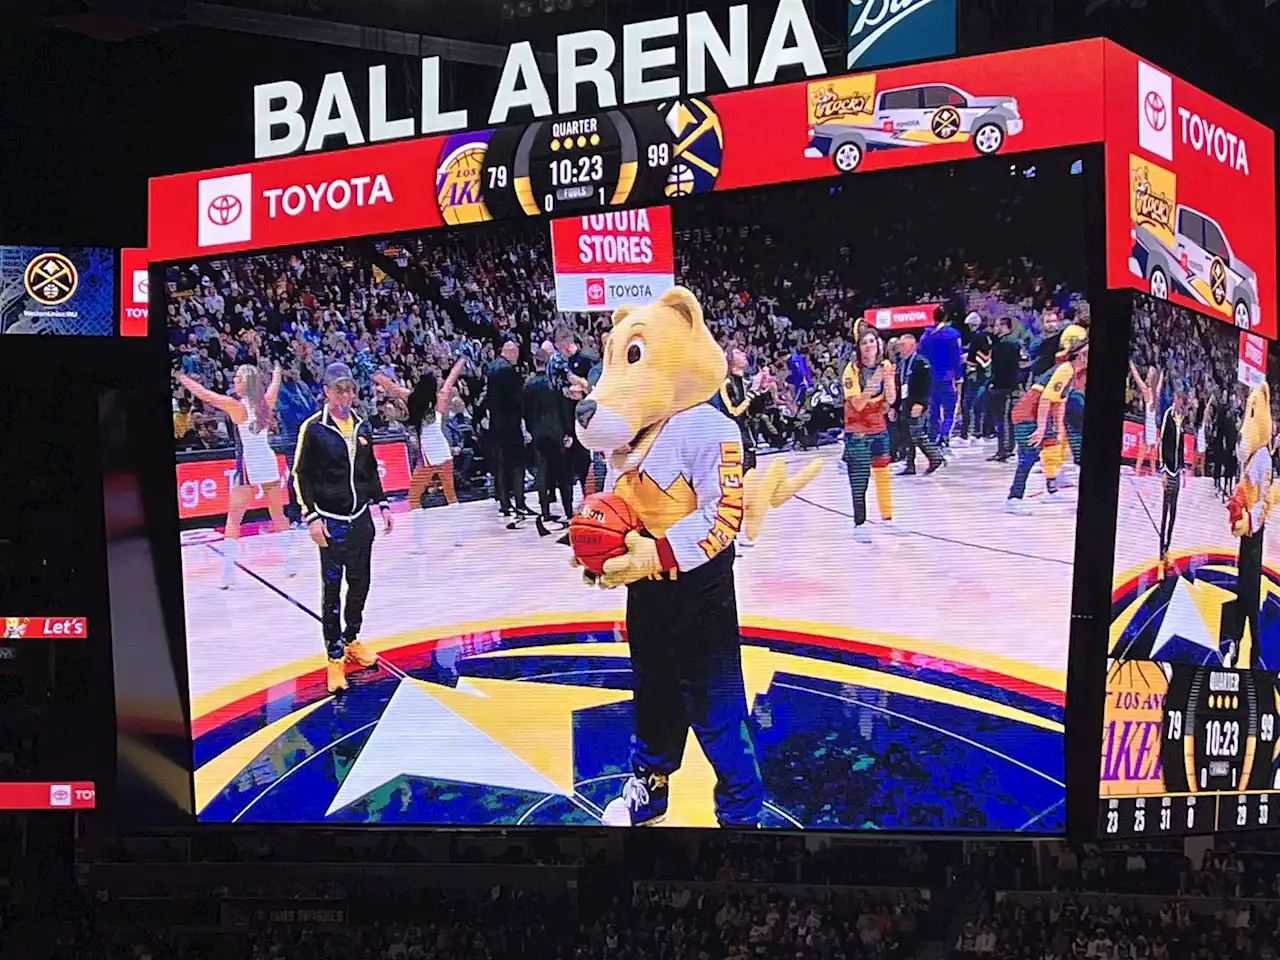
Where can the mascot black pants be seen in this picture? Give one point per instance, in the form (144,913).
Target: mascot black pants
(1248,599)
(687,673)
(349,553)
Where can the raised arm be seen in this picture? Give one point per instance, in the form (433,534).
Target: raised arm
(451,381)
(390,386)
(273,388)
(228,405)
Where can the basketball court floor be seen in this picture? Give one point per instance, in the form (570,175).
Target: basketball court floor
(954,626)
(1179,617)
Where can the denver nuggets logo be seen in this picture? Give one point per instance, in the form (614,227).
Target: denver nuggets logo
(459,180)
(945,123)
(698,146)
(517,726)
(1193,615)
(15,628)
(1218,281)
(51,279)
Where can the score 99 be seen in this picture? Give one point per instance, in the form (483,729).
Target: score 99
(659,154)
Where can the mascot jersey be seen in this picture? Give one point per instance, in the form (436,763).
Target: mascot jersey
(687,490)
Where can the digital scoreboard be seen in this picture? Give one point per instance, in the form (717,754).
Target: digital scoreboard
(1204,758)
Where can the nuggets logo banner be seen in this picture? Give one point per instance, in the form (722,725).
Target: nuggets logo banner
(67,290)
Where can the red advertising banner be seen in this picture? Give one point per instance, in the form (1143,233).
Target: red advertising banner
(48,795)
(1253,359)
(1190,181)
(1191,201)
(135,291)
(604,260)
(204,486)
(44,628)
(318,196)
(901,318)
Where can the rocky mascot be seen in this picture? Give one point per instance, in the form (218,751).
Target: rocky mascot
(678,461)
(1250,505)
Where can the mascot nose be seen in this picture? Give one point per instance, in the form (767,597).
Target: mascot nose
(585,410)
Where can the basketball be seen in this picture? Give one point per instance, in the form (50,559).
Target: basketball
(598,531)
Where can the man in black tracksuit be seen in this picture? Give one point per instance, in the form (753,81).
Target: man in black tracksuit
(1172,463)
(504,399)
(550,424)
(335,475)
(1006,374)
(915,382)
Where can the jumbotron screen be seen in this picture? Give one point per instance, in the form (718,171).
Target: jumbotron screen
(820,453)
(1191,708)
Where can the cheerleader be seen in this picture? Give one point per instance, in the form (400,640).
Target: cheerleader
(428,405)
(1150,391)
(250,411)
(870,391)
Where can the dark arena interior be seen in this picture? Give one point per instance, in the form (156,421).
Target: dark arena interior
(600,480)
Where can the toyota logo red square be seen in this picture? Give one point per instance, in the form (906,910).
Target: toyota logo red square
(595,291)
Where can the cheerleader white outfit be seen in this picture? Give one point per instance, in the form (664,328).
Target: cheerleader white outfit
(433,446)
(1150,431)
(255,460)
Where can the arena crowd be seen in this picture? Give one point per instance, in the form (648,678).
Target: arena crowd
(784,290)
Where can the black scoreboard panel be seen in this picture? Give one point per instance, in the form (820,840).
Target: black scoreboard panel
(578,165)
(1215,767)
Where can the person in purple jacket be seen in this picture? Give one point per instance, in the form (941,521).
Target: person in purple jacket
(940,345)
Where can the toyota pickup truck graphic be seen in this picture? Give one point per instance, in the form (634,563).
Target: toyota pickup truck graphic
(1198,263)
(845,128)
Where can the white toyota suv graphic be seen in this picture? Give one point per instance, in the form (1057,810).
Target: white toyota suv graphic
(917,117)
(1200,265)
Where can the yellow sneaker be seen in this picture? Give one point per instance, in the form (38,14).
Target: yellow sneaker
(336,675)
(358,653)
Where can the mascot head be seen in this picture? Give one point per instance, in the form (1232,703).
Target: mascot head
(658,359)
(1256,429)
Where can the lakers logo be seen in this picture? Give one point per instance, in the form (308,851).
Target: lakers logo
(1218,281)
(51,279)
(945,123)
(697,146)
(459,180)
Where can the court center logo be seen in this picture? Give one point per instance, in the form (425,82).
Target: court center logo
(51,279)
(225,210)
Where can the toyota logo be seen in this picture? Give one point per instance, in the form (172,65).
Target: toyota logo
(1153,107)
(224,210)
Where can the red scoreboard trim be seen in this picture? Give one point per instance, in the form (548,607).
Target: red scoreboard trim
(1060,95)
(48,795)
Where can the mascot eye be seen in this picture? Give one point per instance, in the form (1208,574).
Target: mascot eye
(635,350)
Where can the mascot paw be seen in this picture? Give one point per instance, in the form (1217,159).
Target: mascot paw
(1240,528)
(640,562)
(770,489)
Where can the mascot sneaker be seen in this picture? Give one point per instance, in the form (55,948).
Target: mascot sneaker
(358,653)
(336,675)
(643,803)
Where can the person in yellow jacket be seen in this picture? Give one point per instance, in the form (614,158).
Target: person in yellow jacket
(870,391)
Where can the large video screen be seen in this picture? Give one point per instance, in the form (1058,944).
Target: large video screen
(57,290)
(1191,708)
(838,463)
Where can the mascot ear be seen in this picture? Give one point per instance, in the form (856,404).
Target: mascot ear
(683,302)
(621,313)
